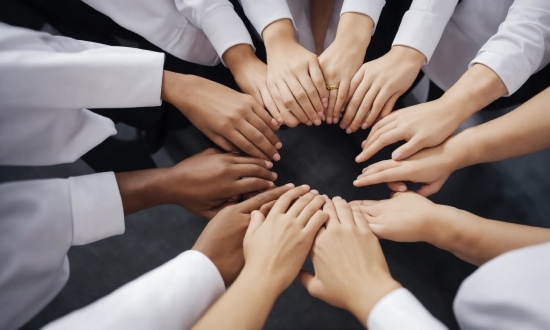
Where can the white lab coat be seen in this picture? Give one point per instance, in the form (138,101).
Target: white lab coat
(510,37)
(46,84)
(509,292)
(197,31)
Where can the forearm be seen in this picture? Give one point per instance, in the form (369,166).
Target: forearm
(245,305)
(354,31)
(143,189)
(238,56)
(477,240)
(277,33)
(476,89)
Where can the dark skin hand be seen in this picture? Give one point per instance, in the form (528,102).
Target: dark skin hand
(203,184)
(233,120)
(222,239)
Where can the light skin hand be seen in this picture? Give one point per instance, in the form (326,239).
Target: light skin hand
(250,73)
(350,268)
(222,239)
(378,84)
(429,124)
(274,250)
(294,77)
(431,166)
(233,120)
(203,184)
(406,217)
(338,66)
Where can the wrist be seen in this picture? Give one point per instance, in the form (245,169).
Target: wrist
(178,89)
(409,55)
(362,303)
(239,57)
(140,190)
(354,32)
(464,148)
(264,282)
(280,32)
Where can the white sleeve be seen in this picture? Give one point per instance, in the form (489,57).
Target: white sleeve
(38,70)
(161,23)
(218,20)
(39,221)
(261,13)
(400,309)
(423,25)
(172,296)
(371,8)
(521,46)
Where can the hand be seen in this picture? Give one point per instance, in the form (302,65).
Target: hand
(205,183)
(422,126)
(234,121)
(294,78)
(222,239)
(430,166)
(341,60)
(278,246)
(350,268)
(378,84)
(251,75)
(406,217)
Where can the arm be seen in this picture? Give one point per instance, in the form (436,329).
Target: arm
(519,132)
(203,184)
(351,273)
(274,249)
(409,217)
(176,294)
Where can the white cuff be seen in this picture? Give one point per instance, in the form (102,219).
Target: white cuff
(96,207)
(261,13)
(400,309)
(225,29)
(422,27)
(371,8)
(512,67)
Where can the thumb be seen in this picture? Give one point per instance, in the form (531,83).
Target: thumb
(306,279)
(407,150)
(256,220)
(430,188)
(397,186)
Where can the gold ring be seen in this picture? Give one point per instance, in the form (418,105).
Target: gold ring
(332,87)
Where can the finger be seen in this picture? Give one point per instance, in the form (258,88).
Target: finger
(431,188)
(278,100)
(390,175)
(340,99)
(256,202)
(408,149)
(275,119)
(257,140)
(291,104)
(248,185)
(353,107)
(239,159)
(343,210)
(315,222)
(384,140)
(300,204)
(332,94)
(310,282)
(373,137)
(266,131)
(331,211)
(210,213)
(380,166)
(364,109)
(379,125)
(303,99)
(256,220)
(253,171)
(313,96)
(365,202)
(397,186)
(283,203)
(266,208)
(388,107)
(319,81)
(310,209)
(359,218)
(377,106)
(224,143)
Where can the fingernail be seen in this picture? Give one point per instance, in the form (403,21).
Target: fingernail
(274,175)
(274,122)
(279,145)
(396,155)
(402,187)
(364,126)
(317,122)
(329,120)
(326,197)
(355,182)
(309,123)
(315,192)
(357,159)
(305,186)
(325,102)
(268,164)
(291,185)
(321,115)
(336,120)
(337,197)
(276,157)
(348,130)
(342,126)
(271,184)
(281,120)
